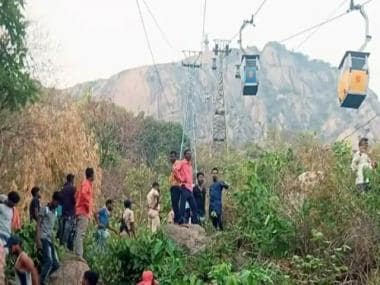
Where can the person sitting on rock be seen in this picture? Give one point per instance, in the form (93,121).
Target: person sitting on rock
(26,272)
(90,278)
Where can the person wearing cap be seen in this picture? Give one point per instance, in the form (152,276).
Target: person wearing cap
(148,279)
(26,272)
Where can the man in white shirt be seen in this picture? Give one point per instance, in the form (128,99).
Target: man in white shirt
(153,199)
(361,165)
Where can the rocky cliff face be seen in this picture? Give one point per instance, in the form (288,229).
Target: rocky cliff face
(296,94)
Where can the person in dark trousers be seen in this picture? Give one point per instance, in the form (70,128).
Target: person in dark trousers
(67,223)
(45,238)
(216,206)
(184,172)
(200,195)
(175,186)
(35,205)
(90,278)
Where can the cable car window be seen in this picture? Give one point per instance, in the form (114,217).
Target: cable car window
(358,63)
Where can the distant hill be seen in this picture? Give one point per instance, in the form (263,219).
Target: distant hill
(296,94)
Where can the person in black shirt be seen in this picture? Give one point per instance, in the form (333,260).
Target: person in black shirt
(35,205)
(67,194)
(199,192)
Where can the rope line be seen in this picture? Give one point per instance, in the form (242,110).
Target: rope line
(317,29)
(360,127)
(320,24)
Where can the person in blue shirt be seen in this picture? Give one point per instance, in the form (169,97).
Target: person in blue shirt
(215,207)
(102,218)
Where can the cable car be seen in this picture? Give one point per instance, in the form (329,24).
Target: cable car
(213,63)
(354,71)
(353,80)
(250,82)
(250,63)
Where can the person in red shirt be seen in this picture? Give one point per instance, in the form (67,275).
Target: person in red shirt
(83,210)
(184,173)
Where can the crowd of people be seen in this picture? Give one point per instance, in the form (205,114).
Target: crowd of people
(74,209)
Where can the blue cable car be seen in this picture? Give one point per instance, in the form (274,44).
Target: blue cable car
(250,63)
(250,82)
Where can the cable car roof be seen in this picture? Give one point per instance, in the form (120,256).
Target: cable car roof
(358,54)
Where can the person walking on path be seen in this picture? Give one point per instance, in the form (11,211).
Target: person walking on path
(175,187)
(68,212)
(153,199)
(83,210)
(35,205)
(103,220)
(216,194)
(184,172)
(45,238)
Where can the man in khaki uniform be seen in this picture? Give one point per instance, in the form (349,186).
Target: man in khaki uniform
(153,199)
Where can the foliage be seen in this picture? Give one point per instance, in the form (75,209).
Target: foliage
(263,223)
(128,258)
(44,143)
(16,86)
(122,135)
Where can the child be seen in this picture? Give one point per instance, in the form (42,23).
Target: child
(128,220)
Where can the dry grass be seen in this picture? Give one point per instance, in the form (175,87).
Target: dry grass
(42,144)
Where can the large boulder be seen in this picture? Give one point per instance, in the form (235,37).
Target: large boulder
(192,237)
(70,272)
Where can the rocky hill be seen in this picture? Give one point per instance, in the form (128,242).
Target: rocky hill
(296,94)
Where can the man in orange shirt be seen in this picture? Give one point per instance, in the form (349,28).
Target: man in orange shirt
(83,210)
(175,187)
(183,171)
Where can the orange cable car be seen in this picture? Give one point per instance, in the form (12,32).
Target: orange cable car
(354,71)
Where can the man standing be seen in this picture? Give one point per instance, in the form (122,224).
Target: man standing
(68,212)
(216,206)
(102,219)
(175,187)
(200,195)
(26,272)
(35,206)
(6,216)
(361,165)
(184,172)
(128,220)
(83,211)
(45,238)
(153,199)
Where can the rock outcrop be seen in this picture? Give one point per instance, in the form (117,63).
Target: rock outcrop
(193,238)
(296,94)
(70,272)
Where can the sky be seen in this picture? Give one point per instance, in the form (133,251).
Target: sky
(82,40)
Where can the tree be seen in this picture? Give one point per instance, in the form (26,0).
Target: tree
(16,86)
